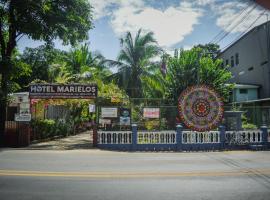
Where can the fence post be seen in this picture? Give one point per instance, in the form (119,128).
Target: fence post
(221,129)
(134,136)
(179,129)
(95,136)
(264,135)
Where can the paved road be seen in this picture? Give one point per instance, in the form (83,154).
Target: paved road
(96,174)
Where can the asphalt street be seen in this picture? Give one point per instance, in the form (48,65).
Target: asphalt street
(95,174)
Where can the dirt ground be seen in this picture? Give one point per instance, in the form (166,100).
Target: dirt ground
(81,141)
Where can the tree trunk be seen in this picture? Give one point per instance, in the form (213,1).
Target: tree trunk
(3,107)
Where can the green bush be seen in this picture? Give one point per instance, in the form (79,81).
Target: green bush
(49,128)
(249,126)
(246,124)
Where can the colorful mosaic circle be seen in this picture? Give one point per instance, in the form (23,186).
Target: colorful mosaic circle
(200,108)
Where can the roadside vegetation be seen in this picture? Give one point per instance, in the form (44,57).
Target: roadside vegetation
(144,69)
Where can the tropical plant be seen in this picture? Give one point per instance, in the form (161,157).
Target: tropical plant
(187,68)
(85,65)
(134,62)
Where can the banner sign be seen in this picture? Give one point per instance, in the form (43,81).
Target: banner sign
(108,112)
(151,112)
(58,91)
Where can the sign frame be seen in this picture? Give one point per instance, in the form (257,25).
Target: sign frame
(61,91)
(151,113)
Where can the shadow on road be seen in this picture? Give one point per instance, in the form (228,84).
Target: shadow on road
(80,141)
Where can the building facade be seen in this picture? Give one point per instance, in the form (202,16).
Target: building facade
(248,60)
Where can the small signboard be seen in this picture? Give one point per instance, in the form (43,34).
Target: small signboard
(124,121)
(25,108)
(151,112)
(92,108)
(125,114)
(108,112)
(56,91)
(104,121)
(22,117)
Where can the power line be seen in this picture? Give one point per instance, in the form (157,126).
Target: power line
(239,36)
(223,31)
(243,19)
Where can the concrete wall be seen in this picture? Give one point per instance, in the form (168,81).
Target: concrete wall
(253,67)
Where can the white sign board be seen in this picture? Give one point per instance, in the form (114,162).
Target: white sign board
(151,112)
(104,121)
(25,108)
(108,112)
(21,97)
(92,108)
(124,121)
(22,117)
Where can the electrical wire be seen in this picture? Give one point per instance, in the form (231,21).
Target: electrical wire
(243,19)
(243,33)
(222,31)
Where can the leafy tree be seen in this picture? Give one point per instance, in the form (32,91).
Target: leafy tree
(135,62)
(183,69)
(209,49)
(44,61)
(67,20)
(86,65)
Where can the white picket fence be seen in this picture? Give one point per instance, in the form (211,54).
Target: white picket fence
(160,137)
(114,137)
(188,137)
(193,137)
(243,137)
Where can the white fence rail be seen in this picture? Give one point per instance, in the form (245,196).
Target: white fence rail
(114,137)
(243,137)
(193,137)
(161,137)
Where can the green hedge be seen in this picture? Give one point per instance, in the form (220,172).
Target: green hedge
(49,128)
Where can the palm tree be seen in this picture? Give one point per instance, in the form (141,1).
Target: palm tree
(85,65)
(134,62)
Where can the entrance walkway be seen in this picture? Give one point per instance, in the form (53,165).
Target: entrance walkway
(81,141)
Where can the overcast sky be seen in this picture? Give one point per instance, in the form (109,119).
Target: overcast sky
(175,23)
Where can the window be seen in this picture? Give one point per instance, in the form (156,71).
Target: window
(263,63)
(237,58)
(232,61)
(227,62)
(250,69)
(243,91)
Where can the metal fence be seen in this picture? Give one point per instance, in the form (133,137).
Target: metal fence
(253,116)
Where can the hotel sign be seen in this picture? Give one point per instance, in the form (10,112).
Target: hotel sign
(60,91)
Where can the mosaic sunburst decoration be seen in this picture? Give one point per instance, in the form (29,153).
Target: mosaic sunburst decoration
(200,108)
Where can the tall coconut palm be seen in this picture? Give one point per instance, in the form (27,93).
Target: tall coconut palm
(84,64)
(134,62)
